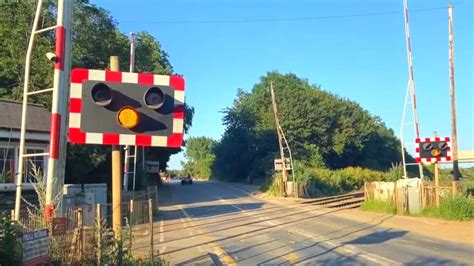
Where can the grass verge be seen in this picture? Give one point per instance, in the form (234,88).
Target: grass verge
(452,208)
(458,208)
(378,206)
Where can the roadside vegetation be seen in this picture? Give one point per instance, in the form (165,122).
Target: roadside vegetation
(459,207)
(103,250)
(379,206)
(10,246)
(11,250)
(325,182)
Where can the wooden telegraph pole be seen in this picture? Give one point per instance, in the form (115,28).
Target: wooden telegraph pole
(116,176)
(280,143)
(454,134)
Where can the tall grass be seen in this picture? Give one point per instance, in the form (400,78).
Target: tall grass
(459,208)
(453,208)
(379,206)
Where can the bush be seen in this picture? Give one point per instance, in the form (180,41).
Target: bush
(394,173)
(453,208)
(329,182)
(10,247)
(323,181)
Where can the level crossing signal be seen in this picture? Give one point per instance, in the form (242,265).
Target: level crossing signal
(122,108)
(435,149)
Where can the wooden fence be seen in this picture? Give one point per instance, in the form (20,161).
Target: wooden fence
(407,197)
(85,232)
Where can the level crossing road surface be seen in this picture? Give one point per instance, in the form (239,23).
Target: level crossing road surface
(213,223)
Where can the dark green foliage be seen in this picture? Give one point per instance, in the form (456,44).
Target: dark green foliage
(95,37)
(15,25)
(10,246)
(323,130)
(321,181)
(200,156)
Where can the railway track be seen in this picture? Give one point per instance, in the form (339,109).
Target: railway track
(347,201)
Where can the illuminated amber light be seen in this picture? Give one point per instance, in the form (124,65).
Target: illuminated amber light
(128,117)
(436,152)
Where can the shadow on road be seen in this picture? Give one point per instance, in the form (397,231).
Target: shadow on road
(377,237)
(251,233)
(340,260)
(366,226)
(432,261)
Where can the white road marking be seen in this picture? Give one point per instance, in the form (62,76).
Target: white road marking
(244,211)
(190,233)
(347,248)
(223,256)
(241,190)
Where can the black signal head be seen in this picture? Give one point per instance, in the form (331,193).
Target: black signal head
(154,98)
(101,94)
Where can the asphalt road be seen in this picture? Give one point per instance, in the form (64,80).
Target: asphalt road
(218,223)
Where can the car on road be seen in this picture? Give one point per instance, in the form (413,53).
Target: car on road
(186,180)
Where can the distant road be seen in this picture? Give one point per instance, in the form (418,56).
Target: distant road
(220,223)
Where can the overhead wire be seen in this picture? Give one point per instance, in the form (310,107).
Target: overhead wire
(263,20)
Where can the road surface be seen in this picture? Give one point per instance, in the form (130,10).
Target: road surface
(222,224)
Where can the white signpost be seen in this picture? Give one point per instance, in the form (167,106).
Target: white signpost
(152,167)
(278,164)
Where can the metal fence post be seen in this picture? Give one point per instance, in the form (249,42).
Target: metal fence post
(150,217)
(99,233)
(80,224)
(131,221)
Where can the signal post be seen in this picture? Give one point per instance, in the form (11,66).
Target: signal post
(116,177)
(122,108)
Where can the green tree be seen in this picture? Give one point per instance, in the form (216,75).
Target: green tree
(95,37)
(15,27)
(200,156)
(323,130)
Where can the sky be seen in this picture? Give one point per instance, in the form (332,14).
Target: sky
(355,49)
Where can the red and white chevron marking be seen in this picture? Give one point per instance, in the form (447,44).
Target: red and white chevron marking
(79,75)
(437,159)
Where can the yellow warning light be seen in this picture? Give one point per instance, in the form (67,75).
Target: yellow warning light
(128,117)
(436,152)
